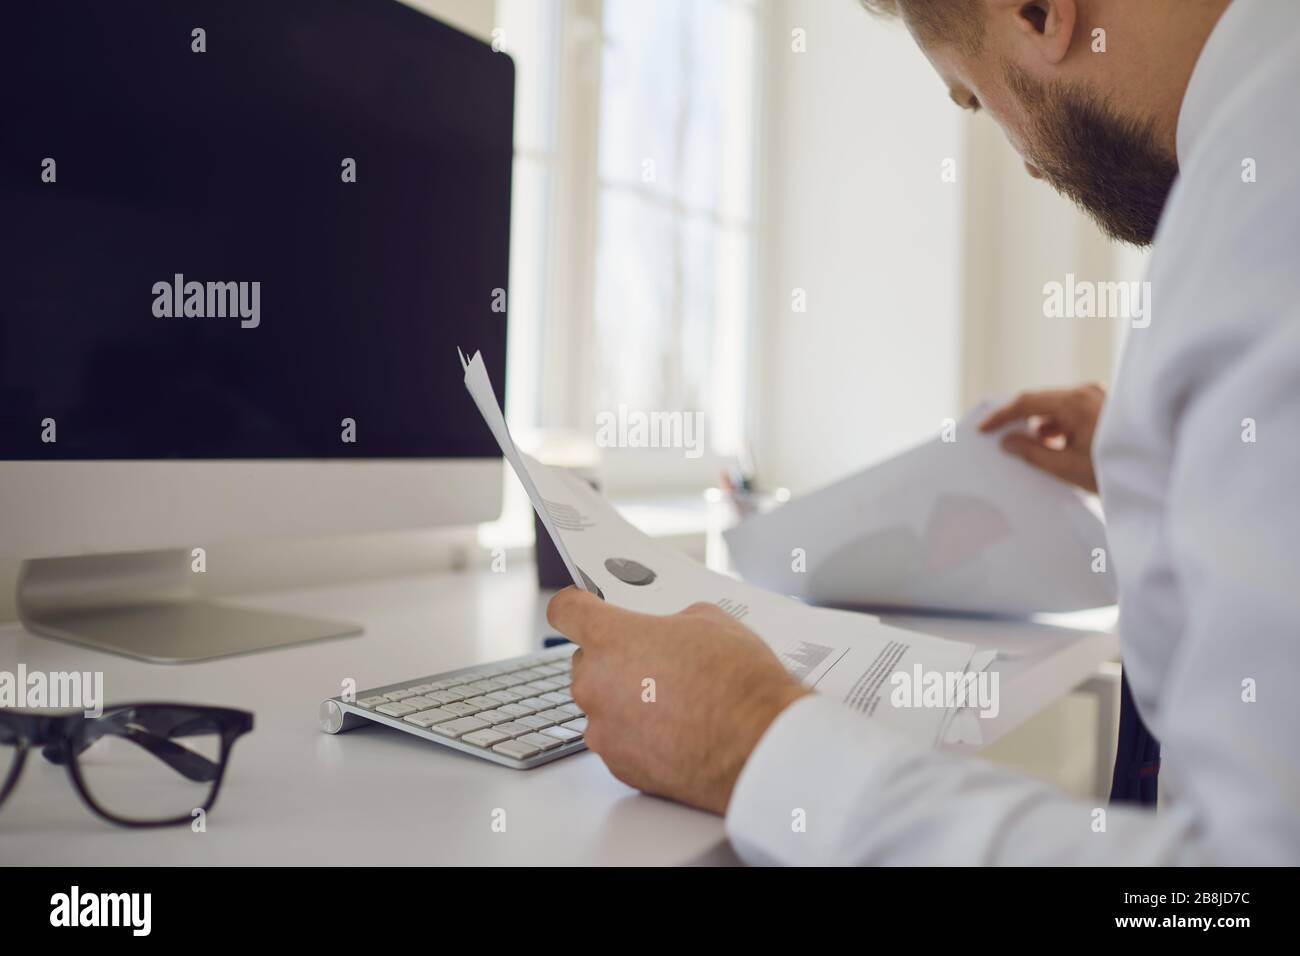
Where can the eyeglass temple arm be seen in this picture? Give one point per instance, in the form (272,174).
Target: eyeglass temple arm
(184,761)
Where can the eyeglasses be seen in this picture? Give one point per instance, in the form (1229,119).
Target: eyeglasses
(137,765)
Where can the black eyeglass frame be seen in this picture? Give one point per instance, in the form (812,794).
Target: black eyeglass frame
(61,738)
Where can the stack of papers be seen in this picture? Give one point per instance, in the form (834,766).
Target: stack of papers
(957,525)
(850,656)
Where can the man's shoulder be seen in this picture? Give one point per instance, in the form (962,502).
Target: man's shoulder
(1245,163)
(1223,274)
(1234,214)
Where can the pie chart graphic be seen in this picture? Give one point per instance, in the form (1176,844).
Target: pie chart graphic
(630,572)
(592,586)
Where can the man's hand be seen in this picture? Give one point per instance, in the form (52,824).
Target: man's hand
(674,704)
(1059,426)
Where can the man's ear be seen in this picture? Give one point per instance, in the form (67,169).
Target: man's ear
(1047,25)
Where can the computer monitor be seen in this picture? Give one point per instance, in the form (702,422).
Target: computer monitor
(241,243)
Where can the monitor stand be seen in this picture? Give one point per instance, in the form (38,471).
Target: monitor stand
(144,606)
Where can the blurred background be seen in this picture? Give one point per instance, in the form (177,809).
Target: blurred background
(768,212)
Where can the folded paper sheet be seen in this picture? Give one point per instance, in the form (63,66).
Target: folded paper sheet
(847,655)
(949,526)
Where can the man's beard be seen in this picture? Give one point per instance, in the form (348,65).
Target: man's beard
(1111,166)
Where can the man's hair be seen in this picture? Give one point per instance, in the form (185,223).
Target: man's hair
(960,22)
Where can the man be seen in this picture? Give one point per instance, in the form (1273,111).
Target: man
(1186,133)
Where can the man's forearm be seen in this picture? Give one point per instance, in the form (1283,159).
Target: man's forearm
(826,786)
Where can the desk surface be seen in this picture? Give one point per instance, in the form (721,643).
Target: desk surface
(294,795)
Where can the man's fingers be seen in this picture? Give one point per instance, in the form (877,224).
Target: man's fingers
(578,679)
(1025,405)
(582,617)
(1039,455)
(570,612)
(705,609)
(1047,428)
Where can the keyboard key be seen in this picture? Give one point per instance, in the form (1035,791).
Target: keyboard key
(484,738)
(516,749)
(563,734)
(427,718)
(514,729)
(461,708)
(540,741)
(520,708)
(459,726)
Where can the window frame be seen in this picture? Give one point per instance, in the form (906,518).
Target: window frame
(564,397)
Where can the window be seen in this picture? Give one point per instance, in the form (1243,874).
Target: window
(529,30)
(633,215)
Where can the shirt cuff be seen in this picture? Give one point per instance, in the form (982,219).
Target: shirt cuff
(804,785)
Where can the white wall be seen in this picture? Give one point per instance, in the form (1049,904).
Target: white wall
(923,296)
(475,17)
(854,211)
(1019,235)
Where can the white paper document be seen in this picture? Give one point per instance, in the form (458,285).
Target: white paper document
(846,655)
(955,525)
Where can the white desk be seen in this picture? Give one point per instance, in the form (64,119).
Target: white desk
(294,795)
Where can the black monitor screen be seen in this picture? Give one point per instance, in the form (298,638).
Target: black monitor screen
(248,229)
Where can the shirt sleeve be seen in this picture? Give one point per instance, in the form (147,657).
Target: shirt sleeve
(826,786)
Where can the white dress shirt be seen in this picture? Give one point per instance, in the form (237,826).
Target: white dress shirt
(1204,530)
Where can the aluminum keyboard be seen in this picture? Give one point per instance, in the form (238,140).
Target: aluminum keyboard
(517,712)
